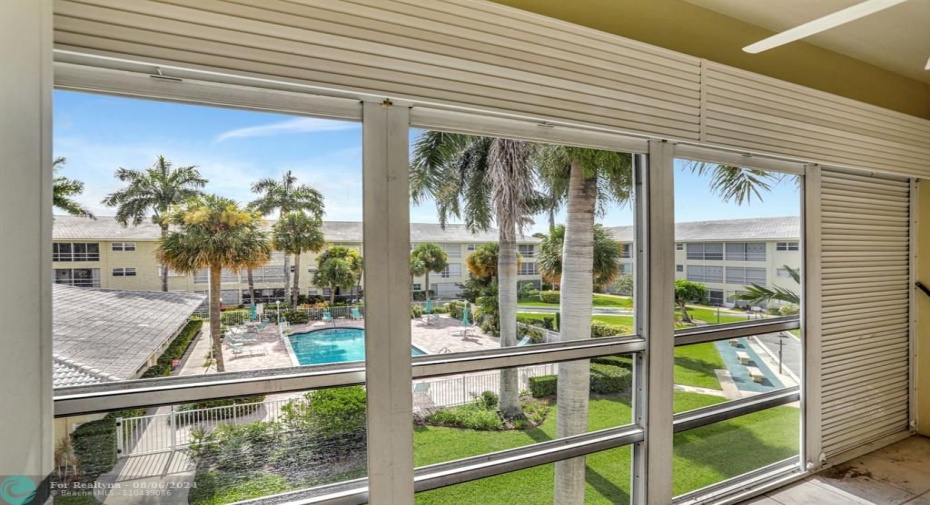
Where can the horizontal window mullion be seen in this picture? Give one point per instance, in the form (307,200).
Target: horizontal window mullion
(176,390)
(776,471)
(435,365)
(511,460)
(713,333)
(735,408)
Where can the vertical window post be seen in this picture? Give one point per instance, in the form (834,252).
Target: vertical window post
(386,242)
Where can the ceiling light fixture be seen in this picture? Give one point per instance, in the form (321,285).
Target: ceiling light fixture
(822,24)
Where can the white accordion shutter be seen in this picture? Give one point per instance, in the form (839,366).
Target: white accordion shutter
(865,309)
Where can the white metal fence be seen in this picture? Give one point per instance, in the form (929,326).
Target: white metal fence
(538,333)
(169,428)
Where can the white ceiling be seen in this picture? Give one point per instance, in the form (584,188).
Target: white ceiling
(897,38)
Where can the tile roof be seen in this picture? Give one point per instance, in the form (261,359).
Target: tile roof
(764,228)
(115,332)
(69,373)
(107,228)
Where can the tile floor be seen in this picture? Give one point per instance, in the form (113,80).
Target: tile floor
(897,474)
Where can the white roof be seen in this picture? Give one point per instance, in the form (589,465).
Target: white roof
(763,228)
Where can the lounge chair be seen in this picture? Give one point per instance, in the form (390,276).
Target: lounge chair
(525,340)
(238,349)
(327,317)
(421,387)
(242,337)
(356,314)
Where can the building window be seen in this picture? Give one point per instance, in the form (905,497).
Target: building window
(746,251)
(471,247)
(417,287)
(527,269)
(452,250)
(783,272)
(80,277)
(787,246)
(171,273)
(679,247)
(124,272)
(679,268)
(202,276)
(745,276)
(626,268)
(123,246)
(626,250)
(715,296)
(452,270)
(75,251)
(527,250)
(705,251)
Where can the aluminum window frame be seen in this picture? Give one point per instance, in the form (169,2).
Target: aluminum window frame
(649,477)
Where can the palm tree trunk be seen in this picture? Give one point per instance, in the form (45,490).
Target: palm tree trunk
(551,219)
(164,268)
(287,275)
(426,283)
(295,293)
(575,307)
(507,309)
(332,295)
(251,286)
(216,275)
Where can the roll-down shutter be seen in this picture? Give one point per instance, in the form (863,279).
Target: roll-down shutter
(865,307)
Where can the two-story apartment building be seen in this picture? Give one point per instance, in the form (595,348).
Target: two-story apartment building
(729,255)
(104,254)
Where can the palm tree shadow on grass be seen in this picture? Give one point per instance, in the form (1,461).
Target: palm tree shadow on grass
(697,365)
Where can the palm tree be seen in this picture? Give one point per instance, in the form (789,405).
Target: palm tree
(338,267)
(589,179)
(606,256)
(154,190)
(64,188)
(294,234)
(759,295)
(480,180)
(285,196)
(425,258)
(213,232)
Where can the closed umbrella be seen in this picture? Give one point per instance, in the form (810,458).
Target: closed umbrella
(465,321)
(429,307)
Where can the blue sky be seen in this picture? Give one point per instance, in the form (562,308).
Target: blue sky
(233,148)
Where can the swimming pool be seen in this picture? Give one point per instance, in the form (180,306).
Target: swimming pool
(332,345)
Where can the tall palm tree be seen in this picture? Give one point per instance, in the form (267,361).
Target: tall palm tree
(338,267)
(482,179)
(154,190)
(285,196)
(589,179)
(428,257)
(295,234)
(64,188)
(213,232)
(606,256)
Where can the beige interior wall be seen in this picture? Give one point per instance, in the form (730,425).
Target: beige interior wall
(923,308)
(690,29)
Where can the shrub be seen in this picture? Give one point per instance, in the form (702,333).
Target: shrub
(94,446)
(488,400)
(550,296)
(329,412)
(602,329)
(175,350)
(547,322)
(456,309)
(789,310)
(416,311)
(543,386)
(471,416)
(620,361)
(527,290)
(607,379)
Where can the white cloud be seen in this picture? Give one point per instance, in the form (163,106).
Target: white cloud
(296,125)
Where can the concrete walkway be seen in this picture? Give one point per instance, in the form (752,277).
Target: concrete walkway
(791,351)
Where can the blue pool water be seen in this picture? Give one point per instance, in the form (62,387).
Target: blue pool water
(332,345)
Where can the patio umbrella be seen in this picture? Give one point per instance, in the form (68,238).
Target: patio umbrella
(252,314)
(465,321)
(428,309)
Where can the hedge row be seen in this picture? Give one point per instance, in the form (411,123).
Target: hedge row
(175,350)
(550,296)
(547,322)
(94,446)
(602,329)
(605,379)
(619,360)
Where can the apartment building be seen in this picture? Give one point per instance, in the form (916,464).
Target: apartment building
(728,255)
(102,253)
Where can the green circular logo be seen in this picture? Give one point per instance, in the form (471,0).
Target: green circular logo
(17,490)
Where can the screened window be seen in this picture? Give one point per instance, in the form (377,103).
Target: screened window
(123,246)
(80,277)
(527,250)
(527,268)
(679,246)
(78,251)
(626,250)
(124,272)
(679,268)
(783,272)
(787,246)
(470,247)
(705,251)
(743,251)
(745,276)
(417,287)
(452,270)
(704,273)
(715,296)
(453,250)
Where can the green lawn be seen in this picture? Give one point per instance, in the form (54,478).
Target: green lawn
(738,445)
(695,365)
(709,315)
(621,320)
